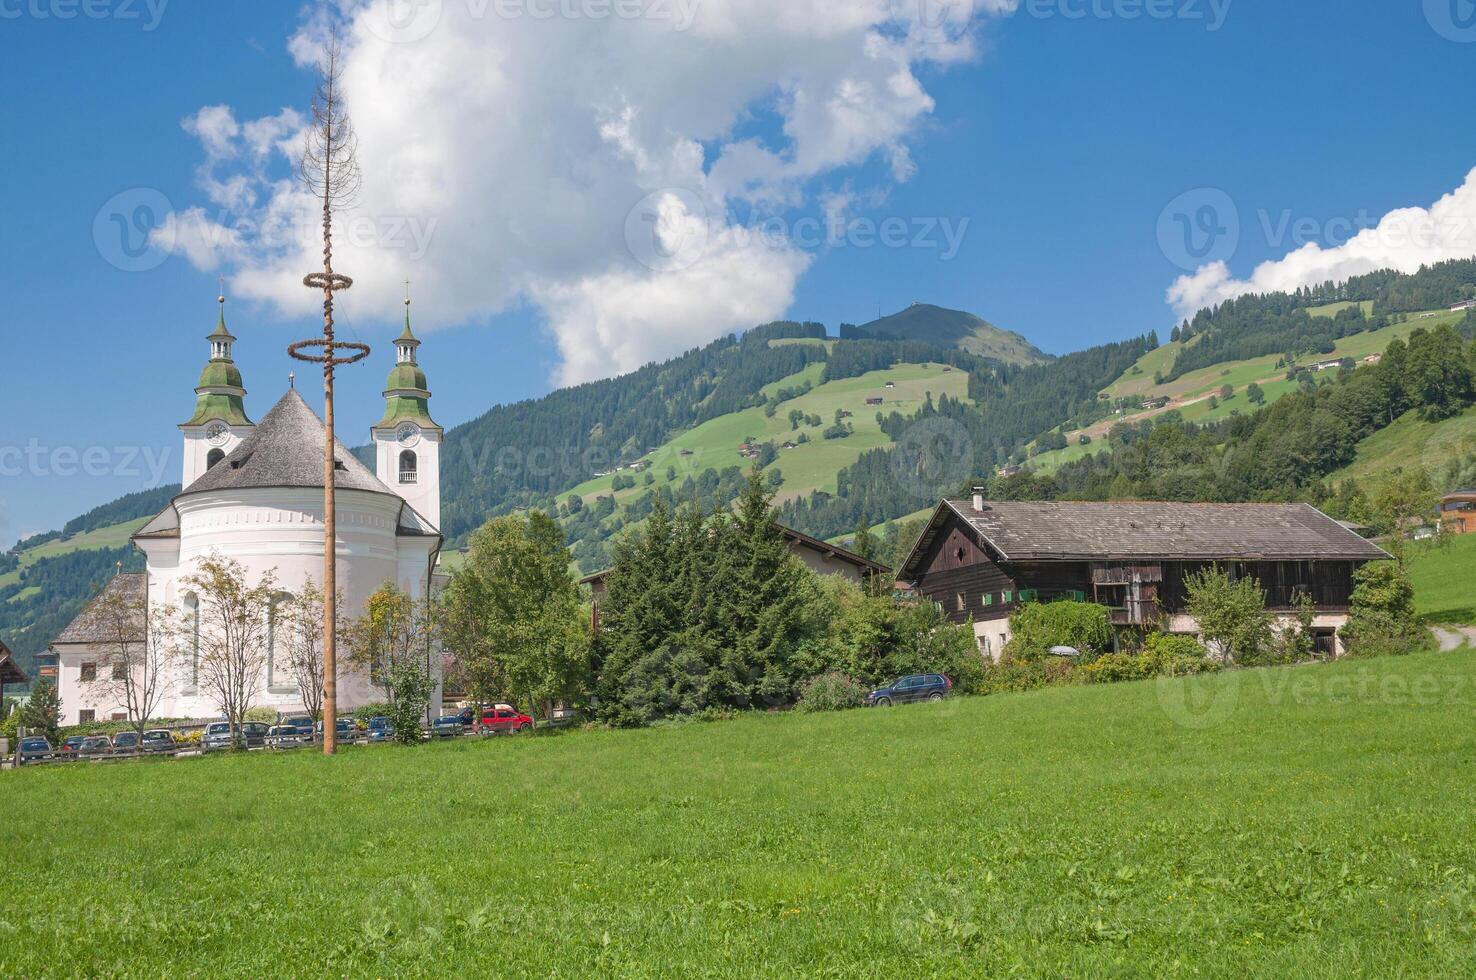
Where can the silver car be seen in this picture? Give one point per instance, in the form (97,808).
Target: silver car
(286,737)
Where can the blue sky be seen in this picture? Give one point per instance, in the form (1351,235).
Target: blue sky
(1055,144)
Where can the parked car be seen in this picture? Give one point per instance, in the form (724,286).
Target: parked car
(302,723)
(287,736)
(381,728)
(345,729)
(125,743)
(255,734)
(94,746)
(71,745)
(33,749)
(449,725)
(159,740)
(218,735)
(504,719)
(914,687)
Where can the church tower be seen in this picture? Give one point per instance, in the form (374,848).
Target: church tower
(407,443)
(219,423)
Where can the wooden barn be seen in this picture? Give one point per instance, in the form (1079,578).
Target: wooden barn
(981,560)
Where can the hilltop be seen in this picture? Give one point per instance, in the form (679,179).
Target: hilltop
(950,328)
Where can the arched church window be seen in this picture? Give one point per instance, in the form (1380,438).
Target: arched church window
(192,625)
(278,654)
(408,469)
(213,457)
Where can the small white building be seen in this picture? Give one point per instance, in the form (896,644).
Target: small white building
(253,492)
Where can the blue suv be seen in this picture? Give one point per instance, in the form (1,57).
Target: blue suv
(913,687)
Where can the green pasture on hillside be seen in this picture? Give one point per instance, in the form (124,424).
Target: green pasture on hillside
(813,465)
(1443,574)
(112,536)
(1309,822)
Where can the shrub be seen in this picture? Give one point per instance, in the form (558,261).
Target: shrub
(1038,627)
(873,639)
(1013,676)
(833,691)
(1381,619)
(262,714)
(373,709)
(1163,655)
(1232,615)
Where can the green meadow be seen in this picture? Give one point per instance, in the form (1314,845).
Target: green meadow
(1307,821)
(812,465)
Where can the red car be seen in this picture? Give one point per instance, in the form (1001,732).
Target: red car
(503,720)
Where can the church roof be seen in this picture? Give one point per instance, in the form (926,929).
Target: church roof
(286,450)
(91,626)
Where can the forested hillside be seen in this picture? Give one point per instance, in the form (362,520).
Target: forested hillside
(1299,447)
(867,429)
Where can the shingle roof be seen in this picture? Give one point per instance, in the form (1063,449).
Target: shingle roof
(286,450)
(90,626)
(10,672)
(1067,530)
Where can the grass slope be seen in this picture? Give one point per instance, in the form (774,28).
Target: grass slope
(1293,822)
(1191,392)
(812,466)
(112,536)
(1412,442)
(1444,579)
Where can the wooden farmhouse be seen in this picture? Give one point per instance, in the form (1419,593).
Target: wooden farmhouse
(981,560)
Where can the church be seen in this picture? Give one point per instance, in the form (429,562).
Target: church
(253,492)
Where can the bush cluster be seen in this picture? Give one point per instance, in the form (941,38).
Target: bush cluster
(831,691)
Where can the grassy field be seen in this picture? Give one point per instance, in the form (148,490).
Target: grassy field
(1444,579)
(813,465)
(1196,386)
(112,536)
(1412,442)
(1301,821)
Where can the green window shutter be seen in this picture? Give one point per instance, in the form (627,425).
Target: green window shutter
(1006,596)
(989,598)
(1028,595)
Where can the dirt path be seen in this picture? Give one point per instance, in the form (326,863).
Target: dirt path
(1452,637)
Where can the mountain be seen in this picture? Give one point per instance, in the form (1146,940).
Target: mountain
(950,328)
(958,400)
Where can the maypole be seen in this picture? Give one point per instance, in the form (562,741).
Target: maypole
(330,170)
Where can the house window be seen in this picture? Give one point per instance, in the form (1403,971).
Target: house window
(960,600)
(213,457)
(120,670)
(89,672)
(1007,595)
(989,598)
(86,716)
(408,470)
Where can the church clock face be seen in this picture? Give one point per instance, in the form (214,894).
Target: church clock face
(408,434)
(217,432)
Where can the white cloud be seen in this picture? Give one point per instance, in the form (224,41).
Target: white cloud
(1404,240)
(506,156)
